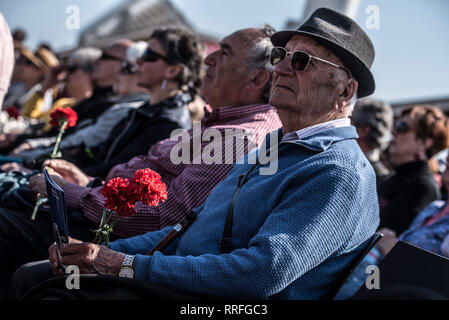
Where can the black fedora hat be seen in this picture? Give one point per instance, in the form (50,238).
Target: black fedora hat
(345,38)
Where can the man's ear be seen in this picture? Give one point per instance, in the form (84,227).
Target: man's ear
(349,91)
(173,71)
(258,79)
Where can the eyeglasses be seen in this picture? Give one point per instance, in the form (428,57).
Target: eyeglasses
(72,68)
(129,68)
(152,56)
(300,60)
(401,127)
(106,56)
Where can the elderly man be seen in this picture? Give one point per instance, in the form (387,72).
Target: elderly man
(289,235)
(236,88)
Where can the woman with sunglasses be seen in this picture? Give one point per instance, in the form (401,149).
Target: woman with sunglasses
(419,134)
(170,69)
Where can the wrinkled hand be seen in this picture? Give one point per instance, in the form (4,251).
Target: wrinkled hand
(388,241)
(53,253)
(88,257)
(37,183)
(68,171)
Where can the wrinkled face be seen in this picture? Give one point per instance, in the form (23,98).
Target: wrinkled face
(313,91)
(106,69)
(226,73)
(76,80)
(405,146)
(152,73)
(28,71)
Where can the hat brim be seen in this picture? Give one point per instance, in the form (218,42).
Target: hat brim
(358,69)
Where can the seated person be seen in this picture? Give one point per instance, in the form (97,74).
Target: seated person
(294,233)
(99,72)
(238,97)
(420,133)
(427,231)
(130,96)
(374,121)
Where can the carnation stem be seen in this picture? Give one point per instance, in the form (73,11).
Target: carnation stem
(55,152)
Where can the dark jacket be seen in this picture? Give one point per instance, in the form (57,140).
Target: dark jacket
(88,110)
(139,131)
(403,195)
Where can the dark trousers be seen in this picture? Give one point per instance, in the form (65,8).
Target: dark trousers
(23,240)
(34,281)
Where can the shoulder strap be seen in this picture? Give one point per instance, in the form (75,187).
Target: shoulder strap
(226,240)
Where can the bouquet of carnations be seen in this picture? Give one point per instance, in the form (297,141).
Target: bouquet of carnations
(122,195)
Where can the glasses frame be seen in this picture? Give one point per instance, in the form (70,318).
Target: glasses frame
(107,56)
(310,58)
(402,127)
(156,55)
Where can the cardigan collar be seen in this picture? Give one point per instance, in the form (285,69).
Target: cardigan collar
(322,140)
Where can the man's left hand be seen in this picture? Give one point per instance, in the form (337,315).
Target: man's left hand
(37,183)
(92,258)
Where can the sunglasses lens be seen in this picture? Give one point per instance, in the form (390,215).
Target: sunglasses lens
(150,56)
(300,60)
(277,55)
(402,127)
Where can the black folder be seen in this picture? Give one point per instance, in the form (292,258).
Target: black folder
(411,273)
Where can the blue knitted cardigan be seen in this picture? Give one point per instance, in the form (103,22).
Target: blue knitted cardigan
(295,233)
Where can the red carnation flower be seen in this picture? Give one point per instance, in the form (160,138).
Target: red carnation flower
(13,112)
(59,115)
(120,197)
(150,189)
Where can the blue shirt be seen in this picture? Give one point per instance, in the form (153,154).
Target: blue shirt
(295,233)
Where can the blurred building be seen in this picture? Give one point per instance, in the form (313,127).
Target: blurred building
(347,7)
(135,20)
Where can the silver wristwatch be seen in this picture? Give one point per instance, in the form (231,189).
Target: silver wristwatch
(127,271)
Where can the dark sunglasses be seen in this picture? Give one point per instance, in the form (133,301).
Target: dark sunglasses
(129,68)
(71,69)
(401,127)
(152,56)
(106,56)
(299,60)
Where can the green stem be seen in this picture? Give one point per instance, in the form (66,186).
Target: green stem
(54,154)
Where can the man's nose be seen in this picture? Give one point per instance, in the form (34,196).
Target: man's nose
(284,67)
(210,59)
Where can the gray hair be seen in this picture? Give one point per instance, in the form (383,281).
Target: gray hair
(259,56)
(378,115)
(85,58)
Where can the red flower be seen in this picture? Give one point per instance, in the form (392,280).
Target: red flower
(59,115)
(120,197)
(149,187)
(13,112)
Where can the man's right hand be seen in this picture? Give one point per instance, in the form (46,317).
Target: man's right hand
(54,257)
(68,171)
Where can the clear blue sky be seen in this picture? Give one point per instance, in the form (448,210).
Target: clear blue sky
(412,46)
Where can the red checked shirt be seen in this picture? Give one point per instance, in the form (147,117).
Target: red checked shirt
(188,185)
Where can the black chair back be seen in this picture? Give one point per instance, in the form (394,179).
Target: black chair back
(373,241)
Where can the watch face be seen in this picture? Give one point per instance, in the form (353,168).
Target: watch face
(126,272)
